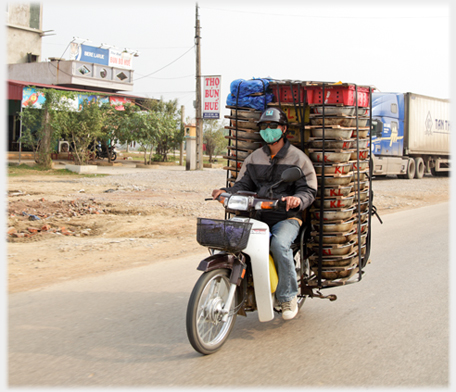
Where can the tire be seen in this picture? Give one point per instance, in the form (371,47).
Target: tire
(420,167)
(205,330)
(113,156)
(410,169)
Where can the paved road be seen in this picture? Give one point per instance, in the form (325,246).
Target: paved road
(128,328)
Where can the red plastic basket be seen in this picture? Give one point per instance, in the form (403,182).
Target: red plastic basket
(285,93)
(344,95)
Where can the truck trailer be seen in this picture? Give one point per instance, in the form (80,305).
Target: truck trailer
(410,135)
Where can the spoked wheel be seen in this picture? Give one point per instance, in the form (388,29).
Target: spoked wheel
(205,329)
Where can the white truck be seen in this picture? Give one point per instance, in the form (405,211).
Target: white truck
(411,135)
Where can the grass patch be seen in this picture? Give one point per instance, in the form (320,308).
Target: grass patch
(38,170)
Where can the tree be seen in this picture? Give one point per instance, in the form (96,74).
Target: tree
(168,120)
(123,124)
(40,131)
(32,122)
(214,138)
(146,126)
(82,128)
(116,125)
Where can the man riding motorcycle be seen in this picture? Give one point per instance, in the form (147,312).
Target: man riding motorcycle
(260,170)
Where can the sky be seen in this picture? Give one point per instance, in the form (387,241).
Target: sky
(401,46)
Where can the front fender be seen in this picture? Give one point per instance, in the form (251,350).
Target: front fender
(219,260)
(225,260)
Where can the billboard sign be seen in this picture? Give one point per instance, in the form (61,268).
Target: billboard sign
(119,102)
(35,99)
(110,57)
(82,98)
(32,98)
(91,54)
(211,97)
(120,59)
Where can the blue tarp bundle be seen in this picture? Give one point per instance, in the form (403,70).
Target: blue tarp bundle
(245,88)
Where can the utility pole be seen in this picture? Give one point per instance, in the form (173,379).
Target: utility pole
(199,120)
(181,149)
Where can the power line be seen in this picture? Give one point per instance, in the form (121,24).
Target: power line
(139,48)
(167,64)
(163,47)
(177,77)
(164,92)
(325,16)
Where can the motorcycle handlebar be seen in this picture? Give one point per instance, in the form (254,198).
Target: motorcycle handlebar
(258,203)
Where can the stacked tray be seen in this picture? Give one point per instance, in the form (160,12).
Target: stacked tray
(243,137)
(341,205)
(340,209)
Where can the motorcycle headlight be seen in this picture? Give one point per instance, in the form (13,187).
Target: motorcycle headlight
(239,203)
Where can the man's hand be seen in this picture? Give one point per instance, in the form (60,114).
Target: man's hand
(216,193)
(292,202)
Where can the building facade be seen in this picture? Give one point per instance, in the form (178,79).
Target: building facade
(90,71)
(24,32)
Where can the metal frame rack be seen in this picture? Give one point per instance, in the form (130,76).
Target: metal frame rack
(337,255)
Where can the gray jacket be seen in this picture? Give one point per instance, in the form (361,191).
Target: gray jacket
(259,172)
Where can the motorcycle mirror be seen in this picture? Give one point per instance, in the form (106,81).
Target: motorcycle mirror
(289,175)
(292,174)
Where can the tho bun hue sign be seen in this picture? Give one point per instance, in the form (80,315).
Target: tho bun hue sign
(211,97)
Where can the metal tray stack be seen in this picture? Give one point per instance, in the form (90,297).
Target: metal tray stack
(330,123)
(341,208)
(243,138)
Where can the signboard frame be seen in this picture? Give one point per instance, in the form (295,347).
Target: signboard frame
(211,97)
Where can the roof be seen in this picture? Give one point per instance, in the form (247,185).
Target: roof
(15,89)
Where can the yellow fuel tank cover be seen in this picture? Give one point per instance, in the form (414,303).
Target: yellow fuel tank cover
(273,275)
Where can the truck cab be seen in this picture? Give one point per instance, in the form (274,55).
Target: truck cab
(410,135)
(388,124)
(388,111)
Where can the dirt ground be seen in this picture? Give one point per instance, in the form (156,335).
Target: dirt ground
(62,228)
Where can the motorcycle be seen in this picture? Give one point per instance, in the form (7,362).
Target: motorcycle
(102,152)
(239,276)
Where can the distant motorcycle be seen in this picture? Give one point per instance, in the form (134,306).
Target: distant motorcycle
(102,152)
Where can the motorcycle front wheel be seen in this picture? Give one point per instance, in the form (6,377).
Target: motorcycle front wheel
(113,156)
(205,329)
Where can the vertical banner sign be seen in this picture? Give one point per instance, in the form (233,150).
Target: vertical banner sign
(211,97)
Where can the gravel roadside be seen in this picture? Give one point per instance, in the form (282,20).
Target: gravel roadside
(390,193)
(145,216)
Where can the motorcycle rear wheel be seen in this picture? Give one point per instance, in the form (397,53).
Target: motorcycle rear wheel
(205,330)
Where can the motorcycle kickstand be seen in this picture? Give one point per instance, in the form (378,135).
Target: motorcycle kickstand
(331,297)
